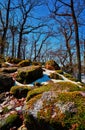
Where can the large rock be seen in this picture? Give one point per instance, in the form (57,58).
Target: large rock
(52,65)
(59,106)
(29,74)
(6,82)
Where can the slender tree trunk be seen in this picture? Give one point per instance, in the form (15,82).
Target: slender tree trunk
(84,56)
(35,52)
(5,28)
(77,40)
(19,46)
(70,55)
(13,45)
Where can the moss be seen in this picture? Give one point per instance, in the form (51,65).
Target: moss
(10,121)
(9,70)
(59,71)
(79,116)
(37,91)
(70,77)
(24,63)
(65,111)
(29,74)
(13,60)
(66,86)
(2,59)
(30,102)
(19,91)
(36,63)
(5,110)
(55,76)
(69,118)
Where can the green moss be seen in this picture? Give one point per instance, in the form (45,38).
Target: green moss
(59,71)
(24,63)
(29,103)
(37,91)
(65,111)
(69,86)
(9,70)
(19,91)
(79,116)
(70,77)
(5,110)
(13,60)
(36,63)
(69,118)
(10,121)
(55,76)
(29,74)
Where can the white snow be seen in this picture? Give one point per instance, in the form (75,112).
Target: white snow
(8,63)
(83,78)
(45,78)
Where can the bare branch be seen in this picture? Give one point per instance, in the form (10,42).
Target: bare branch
(64,3)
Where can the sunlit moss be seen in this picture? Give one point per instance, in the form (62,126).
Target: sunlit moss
(19,91)
(24,63)
(37,91)
(29,74)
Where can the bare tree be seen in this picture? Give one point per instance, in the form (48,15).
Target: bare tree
(5,23)
(66,29)
(26,7)
(68,9)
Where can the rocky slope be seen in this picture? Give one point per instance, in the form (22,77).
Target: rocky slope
(58,105)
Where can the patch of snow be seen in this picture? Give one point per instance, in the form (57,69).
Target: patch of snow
(45,78)
(20,84)
(48,72)
(66,79)
(8,63)
(83,78)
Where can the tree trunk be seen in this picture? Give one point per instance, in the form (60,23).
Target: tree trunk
(77,40)
(13,45)
(70,55)
(19,46)
(5,28)
(84,56)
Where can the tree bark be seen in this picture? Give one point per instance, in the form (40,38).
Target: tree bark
(5,28)
(76,39)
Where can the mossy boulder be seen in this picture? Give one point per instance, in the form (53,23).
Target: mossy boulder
(13,60)
(36,63)
(52,65)
(10,121)
(20,91)
(9,70)
(24,63)
(55,76)
(29,74)
(6,82)
(58,106)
